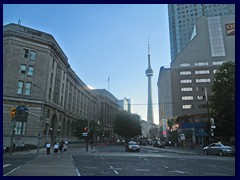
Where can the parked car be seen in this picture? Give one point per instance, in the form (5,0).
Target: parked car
(219,149)
(143,142)
(159,144)
(132,146)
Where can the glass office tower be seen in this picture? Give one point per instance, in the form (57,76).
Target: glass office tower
(183,17)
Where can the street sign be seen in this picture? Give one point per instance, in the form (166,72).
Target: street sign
(85,134)
(182,136)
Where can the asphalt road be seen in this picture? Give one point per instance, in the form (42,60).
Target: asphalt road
(15,161)
(114,161)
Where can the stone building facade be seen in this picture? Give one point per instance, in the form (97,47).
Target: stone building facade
(37,77)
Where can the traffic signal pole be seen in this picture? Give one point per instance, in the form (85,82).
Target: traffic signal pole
(12,134)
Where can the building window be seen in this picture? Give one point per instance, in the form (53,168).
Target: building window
(20,87)
(25,53)
(30,71)
(215,71)
(186,89)
(29,54)
(20,128)
(202,72)
(187,98)
(186,81)
(203,80)
(199,88)
(48,113)
(185,72)
(23,69)
(184,65)
(218,63)
(33,55)
(201,64)
(188,106)
(53,64)
(200,97)
(28,88)
(216,36)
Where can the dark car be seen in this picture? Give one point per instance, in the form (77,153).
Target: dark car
(219,149)
(132,146)
(159,144)
(143,142)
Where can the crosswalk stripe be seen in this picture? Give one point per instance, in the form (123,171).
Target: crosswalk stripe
(6,165)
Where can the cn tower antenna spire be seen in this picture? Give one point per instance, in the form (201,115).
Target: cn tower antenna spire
(148,47)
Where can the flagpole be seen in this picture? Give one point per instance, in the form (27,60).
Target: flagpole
(108,83)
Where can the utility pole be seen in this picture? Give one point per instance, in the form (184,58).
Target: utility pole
(41,118)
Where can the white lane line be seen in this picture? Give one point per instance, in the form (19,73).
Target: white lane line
(165,167)
(177,171)
(76,169)
(216,174)
(111,167)
(145,170)
(102,157)
(12,171)
(91,167)
(115,171)
(6,165)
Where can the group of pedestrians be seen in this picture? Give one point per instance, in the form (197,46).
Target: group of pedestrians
(58,147)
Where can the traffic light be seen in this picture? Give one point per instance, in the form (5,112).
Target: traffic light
(13,112)
(43,131)
(85,129)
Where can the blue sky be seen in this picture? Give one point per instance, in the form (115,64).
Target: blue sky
(106,40)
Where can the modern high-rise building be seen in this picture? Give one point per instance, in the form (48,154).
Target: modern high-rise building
(183,17)
(125,104)
(192,73)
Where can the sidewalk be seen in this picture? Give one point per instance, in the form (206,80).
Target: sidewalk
(183,150)
(48,165)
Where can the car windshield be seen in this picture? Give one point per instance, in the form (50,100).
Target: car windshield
(132,143)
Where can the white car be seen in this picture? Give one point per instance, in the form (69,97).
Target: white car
(219,149)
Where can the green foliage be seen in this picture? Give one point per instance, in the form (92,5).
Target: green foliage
(127,124)
(222,103)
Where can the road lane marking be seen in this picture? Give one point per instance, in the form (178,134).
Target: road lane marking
(12,171)
(177,171)
(102,157)
(115,171)
(6,165)
(165,167)
(76,169)
(216,174)
(145,170)
(90,167)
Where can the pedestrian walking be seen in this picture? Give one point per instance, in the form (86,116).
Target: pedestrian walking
(48,146)
(55,148)
(23,146)
(64,147)
(91,142)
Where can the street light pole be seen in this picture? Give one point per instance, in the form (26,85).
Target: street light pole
(41,118)
(206,95)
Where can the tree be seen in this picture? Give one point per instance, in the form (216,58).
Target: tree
(222,103)
(127,124)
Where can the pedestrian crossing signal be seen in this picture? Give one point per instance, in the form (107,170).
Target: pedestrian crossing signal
(13,112)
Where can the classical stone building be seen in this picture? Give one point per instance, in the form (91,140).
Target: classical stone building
(37,77)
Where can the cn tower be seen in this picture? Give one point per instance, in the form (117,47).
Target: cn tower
(149,74)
